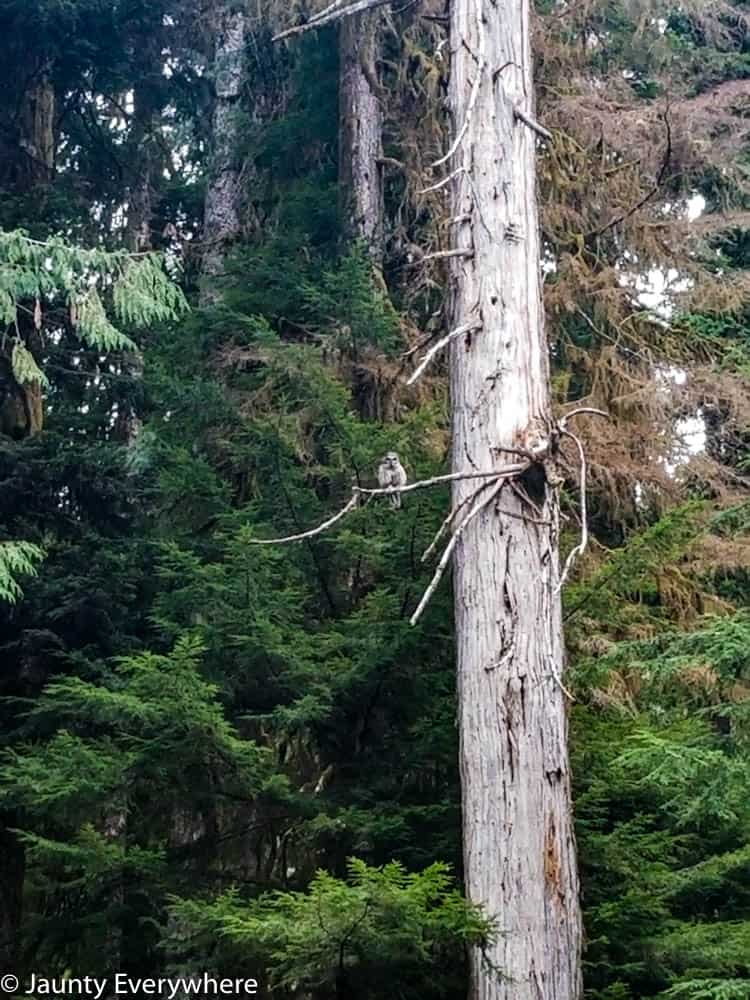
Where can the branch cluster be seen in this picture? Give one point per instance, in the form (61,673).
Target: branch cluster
(463,513)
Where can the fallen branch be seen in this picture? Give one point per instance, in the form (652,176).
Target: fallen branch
(443,342)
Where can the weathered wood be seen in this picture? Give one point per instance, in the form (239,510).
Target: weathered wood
(519,849)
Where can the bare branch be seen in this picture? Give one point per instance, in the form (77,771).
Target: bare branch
(533,124)
(353,502)
(333,12)
(581,547)
(438,254)
(452,477)
(478,507)
(582,409)
(358,492)
(443,182)
(443,342)
(474,90)
(450,518)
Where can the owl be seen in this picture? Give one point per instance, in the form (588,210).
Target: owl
(391,473)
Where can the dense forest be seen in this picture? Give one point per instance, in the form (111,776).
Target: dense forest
(248,248)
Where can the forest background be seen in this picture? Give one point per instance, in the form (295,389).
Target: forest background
(194,726)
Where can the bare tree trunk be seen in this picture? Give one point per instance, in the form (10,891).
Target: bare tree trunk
(222,216)
(361,131)
(519,849)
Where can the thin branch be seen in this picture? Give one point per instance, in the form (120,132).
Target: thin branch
(452,477)
(478,507)
(533,124)
(353,502)
(525,517)
(358,492)
(443,182)
(450,518)
(558,680)
(474,91)
(334,12)
(443,342)
(439,254)
(654,190)
(582,409)
(581,547)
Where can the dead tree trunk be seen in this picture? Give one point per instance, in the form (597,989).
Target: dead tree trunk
(222,213)
(519,849)
(361,132)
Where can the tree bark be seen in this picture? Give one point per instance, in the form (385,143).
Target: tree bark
(222,213)
(38,133)
(361,132)
(519,850)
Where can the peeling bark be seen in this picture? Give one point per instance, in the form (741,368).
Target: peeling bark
(361,132)
(519,849)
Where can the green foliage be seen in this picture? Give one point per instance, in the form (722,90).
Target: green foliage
(52,272)
(157,723)
(17,559)
(348,299)
(380,926)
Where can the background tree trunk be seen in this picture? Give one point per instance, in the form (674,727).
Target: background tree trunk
(222,218)
(361,131)
(37,128)
(519,849)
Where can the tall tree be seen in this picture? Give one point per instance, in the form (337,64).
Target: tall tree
(519,851)
(519,848)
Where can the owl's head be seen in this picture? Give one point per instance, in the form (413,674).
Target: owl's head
(391,458)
